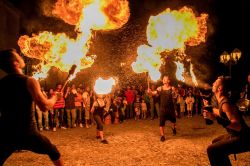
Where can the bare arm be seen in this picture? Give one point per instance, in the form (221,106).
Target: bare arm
(155,92)
(232,116)
(158,89)
(216,111)
(37,95)
(84,98)
(66,94)
(93,107)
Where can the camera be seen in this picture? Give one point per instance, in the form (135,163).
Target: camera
(209,108)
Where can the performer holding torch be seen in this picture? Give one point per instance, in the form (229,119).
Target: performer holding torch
(17,122)
(167,111)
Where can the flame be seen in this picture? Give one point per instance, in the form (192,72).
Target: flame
(167,31)
(104,86)
(55,50)
(202,31)
(148,60)
(104,15)
(69,11)
(193,75)
(73,11)
(174,29)
(59,50)
(180,71)
(42,73)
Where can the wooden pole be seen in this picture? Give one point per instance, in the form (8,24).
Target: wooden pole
(148,80)
(71,72)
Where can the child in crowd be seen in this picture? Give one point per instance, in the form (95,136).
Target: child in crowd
(124,107)
(190,102)
(144,109)
(181,102)
(137,107)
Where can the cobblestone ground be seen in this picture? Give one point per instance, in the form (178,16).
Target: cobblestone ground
(132,143)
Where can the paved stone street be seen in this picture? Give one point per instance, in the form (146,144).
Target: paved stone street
(132,143)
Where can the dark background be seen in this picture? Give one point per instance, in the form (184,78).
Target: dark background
(227,29)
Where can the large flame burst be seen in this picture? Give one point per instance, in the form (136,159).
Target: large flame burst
(62,52)
(103,86)
(168,31)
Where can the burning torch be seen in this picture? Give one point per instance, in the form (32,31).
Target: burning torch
(71,72)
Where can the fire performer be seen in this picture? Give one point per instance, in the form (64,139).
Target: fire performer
(102,88)
(98,110)
(17,122)
(227,115)
(167,110)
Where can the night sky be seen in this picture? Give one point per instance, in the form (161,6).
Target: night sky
(227,29)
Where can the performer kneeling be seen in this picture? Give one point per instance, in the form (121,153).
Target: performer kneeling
(227,115)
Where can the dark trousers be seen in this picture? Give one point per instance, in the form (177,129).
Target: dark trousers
(33,141)
(99,121)
(225,145)
(178,110)
(130,110)
(121,116)
(112,115)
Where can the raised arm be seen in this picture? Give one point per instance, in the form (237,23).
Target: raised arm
(158,89)
(37,95)
(154,92)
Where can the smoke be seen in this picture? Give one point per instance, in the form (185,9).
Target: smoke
(42,19)
(46,7)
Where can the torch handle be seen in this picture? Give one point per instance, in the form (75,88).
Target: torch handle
(148,81)
(71,72)
(65,83)
(148,84)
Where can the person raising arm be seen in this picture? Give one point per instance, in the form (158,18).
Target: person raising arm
(17,121)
